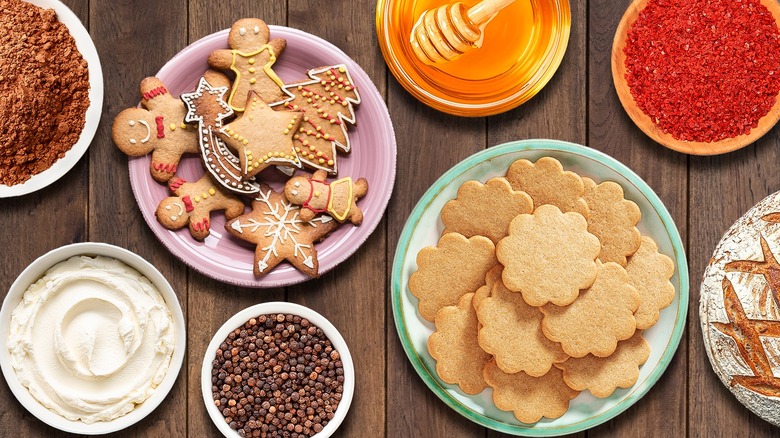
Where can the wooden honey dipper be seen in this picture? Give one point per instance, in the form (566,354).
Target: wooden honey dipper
(445,33)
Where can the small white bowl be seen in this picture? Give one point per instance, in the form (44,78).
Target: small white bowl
(238,320)
(33,273)
(92,117)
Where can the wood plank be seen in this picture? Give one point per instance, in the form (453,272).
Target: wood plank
(611,131)
(352,295)
(723,188)
(134,43)
(212,303)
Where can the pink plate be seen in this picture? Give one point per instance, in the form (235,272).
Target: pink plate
(227,259)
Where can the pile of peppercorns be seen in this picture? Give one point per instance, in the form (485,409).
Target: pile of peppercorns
(277,376)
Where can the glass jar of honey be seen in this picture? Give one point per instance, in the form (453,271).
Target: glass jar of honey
(522,47)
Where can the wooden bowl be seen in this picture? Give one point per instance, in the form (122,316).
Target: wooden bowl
(644,122)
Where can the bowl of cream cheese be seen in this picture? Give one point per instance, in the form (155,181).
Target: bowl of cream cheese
(94,338)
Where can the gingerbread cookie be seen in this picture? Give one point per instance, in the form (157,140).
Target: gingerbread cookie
(337,198)
(613,220)
(454,267)
(274,225)
(251,55)
(649,272)
(598,319)
(492,277)
(193,204)
(206,107)
(511,331)
(540,247)
(529,398)
(459,359)
(262,137)
(603,375)
(327,100)
(485,209)
(548,183)
(158,128)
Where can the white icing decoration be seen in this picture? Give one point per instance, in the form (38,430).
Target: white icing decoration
(297,184)
(237,226)
(262,265)
(256,29)
(309,262)
(294,192)
(167,207)
(242,31)
(132,141)
(173,218)
(148,131)
(131,123)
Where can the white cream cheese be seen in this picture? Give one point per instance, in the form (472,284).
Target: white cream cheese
(91,339)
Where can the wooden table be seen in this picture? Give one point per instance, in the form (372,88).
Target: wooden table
(94,202)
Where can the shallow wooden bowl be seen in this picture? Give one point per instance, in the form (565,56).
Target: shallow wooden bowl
(644,122)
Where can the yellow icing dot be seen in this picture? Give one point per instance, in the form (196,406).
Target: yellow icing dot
(321,161)
(341,79)
(197,198)
(297,149)
(204,195)
(306,143)
(183,125)
(311,148)
(342,69)
(252,80)
(344,103)
(340,86)
(332,101)
(308,100)
(173,126)
(333,121)
(327,88)
(249,168)
(326,136)
(286,131)
(300,129)
(251,60)
(300,87)
(317,193)
(212,192)
(235,136)
(319,153)
(229,131)
(331,94)
(245,142)
(251,69)
(330,162)
(319,135)
(257,163)
(308,132)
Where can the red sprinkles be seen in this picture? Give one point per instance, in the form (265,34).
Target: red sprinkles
(704,70)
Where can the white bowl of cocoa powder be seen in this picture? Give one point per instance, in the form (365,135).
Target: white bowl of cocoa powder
(290,366)
(51,94)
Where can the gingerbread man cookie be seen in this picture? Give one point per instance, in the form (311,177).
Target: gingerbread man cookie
(337,198)
(251,56)
(193,204)
(158,127)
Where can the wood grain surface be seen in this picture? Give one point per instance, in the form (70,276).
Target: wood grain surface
(94,202)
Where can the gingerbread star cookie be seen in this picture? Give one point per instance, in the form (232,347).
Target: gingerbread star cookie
(548,183)
(485,209)
(158,127)
(459,359)
(327,100)
(539,247)
(251,56)
(275,226)
(193,203)
(206,107)
(262,137)
(598,319)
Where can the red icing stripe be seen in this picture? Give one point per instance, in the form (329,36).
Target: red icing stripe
(176,182)
(165,167)
(187,204)
(154,92)
(201,225)
(160,127)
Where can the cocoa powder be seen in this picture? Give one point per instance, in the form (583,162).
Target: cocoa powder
(44,90)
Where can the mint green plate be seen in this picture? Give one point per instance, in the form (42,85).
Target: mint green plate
(424,227)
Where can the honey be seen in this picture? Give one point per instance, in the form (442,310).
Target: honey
(521,49)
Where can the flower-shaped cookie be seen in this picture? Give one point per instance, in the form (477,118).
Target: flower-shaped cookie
(548,256)
(598,319)
(511,331)
(454,267)
(602,375)
(485,209)
(649,272)
(548,183)
(459,359)
(529,398)
(613,220)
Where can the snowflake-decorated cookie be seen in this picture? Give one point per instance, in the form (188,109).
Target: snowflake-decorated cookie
(275,226)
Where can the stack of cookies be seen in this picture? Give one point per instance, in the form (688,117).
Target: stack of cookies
(240,124)
(540,287)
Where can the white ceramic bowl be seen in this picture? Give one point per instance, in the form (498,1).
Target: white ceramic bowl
(92,118)
(245,315)
(35,271)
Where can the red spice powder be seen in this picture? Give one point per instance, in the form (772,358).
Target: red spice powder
(704,70)
(44,90)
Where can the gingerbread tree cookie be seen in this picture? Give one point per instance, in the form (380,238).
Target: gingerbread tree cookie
(262,137)
(275,226)
(540,247)
(251,56)
(459,358)
(158,127)
(327,100)
(193,204)
(206,107)
(337,198)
